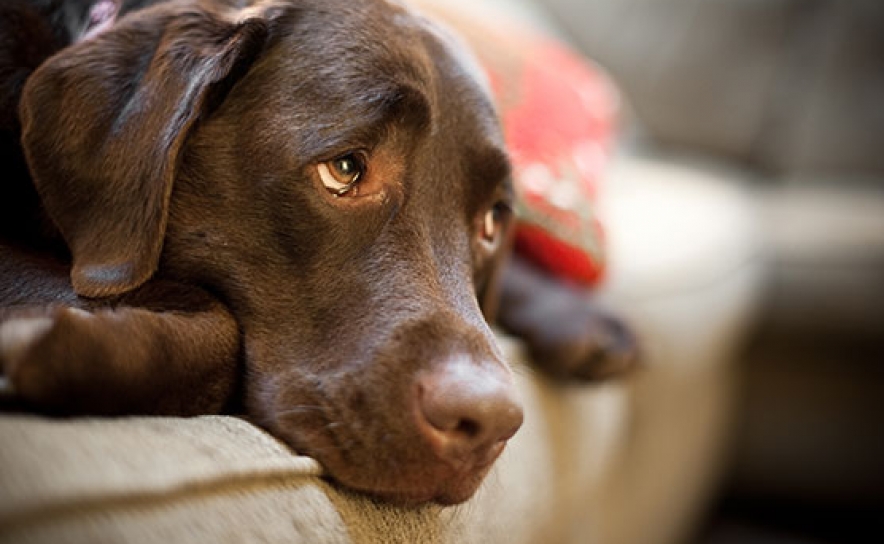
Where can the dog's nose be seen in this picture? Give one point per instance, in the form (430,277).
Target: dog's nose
(467,411)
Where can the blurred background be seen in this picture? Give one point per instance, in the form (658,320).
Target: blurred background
(783,102)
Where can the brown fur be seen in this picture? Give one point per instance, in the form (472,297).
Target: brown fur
(203,261)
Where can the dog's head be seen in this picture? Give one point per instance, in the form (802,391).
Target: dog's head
(333,171)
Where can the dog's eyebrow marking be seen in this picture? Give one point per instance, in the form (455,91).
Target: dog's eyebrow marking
(369,122)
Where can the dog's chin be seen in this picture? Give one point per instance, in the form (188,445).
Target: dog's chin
(406,471)
(454,488)
(423,479)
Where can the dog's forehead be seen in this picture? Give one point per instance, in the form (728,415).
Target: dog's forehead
(466,101)
(358,46)
(458,68)
(464,62)
(346,59)
(391,33)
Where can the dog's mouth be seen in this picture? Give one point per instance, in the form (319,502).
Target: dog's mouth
(441,484)
(403,435)
(403,469)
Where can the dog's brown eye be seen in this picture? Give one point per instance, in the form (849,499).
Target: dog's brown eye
(341,175)
(493,222)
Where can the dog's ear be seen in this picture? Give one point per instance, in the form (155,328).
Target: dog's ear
(104,124)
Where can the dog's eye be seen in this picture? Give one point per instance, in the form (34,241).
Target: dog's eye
(493,222)
(341,175)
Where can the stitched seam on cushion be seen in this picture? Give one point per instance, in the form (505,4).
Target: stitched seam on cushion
(183,490)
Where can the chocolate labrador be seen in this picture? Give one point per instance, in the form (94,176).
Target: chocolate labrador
(298,209)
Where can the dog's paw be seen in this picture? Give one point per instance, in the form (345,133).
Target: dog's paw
(568,334)
(34,346)
(583,343)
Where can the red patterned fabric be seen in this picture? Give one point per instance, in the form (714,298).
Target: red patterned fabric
(558,112)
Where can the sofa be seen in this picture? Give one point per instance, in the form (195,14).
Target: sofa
(632,460)
(788,94)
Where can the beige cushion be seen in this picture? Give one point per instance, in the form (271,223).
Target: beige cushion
(219,479)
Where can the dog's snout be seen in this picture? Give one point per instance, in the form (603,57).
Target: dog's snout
(466,411)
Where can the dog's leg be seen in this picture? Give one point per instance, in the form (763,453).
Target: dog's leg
(567,333)
(131,358)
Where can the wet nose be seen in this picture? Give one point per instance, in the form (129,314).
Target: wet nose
(466,410)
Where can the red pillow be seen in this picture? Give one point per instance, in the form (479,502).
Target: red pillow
(558,112)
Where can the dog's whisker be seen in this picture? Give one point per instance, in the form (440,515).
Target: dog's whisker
(301,411)
(524,370)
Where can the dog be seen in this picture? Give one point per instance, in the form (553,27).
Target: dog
(299,210)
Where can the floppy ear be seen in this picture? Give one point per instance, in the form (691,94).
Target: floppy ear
(104,124)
